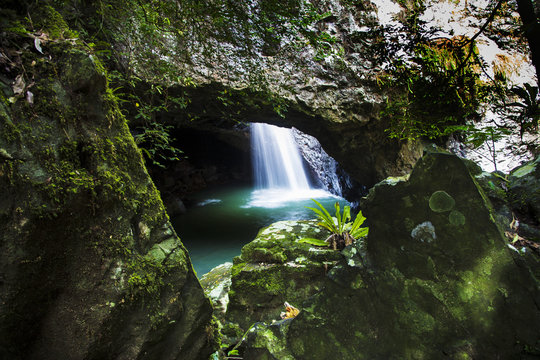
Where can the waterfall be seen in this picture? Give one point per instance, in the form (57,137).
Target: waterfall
(280,177)
(277,162)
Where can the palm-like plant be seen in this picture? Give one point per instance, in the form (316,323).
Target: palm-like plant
(344,232)
(526,111)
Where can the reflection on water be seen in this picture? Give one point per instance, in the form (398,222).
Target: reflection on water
(225,219)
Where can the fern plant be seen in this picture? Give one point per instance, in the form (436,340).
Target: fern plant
(344,232)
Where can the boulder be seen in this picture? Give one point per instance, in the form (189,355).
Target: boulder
(437,279)
(275,268)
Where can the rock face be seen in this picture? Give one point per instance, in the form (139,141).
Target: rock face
(334,95)
(437,279)
(524,189)
(335,98)
(90,267)
(323,167)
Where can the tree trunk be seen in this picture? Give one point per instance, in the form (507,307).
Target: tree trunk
(531,29)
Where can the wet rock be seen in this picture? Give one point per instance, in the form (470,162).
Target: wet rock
(216,284)
(175,206)
(267,341)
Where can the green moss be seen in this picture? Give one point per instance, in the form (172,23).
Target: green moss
(51,22)
(456,218)
(17,27)
(441,201)
(78,198)
(145,279)
(275,268)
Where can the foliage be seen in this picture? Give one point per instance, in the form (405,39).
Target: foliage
(157,144)
(522,113)
(344,232)
(526,111)
(438,90)
(313,241)
(488,136)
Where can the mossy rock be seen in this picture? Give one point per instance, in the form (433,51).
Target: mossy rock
(91,267)
(275,267)
(457,291)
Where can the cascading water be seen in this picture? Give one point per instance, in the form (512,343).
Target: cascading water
(276,159)
(279,173)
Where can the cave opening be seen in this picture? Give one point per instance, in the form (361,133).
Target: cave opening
(211,196)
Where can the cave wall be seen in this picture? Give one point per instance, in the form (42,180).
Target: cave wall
(362,149)
(280,76)
(210,157)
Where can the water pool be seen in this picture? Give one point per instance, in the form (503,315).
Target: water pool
(224,219)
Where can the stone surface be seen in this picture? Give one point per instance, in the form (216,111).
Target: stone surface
(336,98)
(524,190)
(90,267)
(431,284)
(275,268)
(216,284)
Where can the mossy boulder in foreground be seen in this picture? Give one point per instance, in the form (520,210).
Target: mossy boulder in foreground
(275,268)
(438,281)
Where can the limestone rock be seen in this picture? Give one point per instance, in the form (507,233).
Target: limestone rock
(434,284)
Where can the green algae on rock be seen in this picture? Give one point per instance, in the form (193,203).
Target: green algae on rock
(276,267)
(90,264)
(462,293)
(441,201)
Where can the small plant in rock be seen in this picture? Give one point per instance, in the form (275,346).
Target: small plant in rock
(344,232)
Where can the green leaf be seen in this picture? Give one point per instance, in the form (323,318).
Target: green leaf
(346,215)
(322,208)
(359,233)
(338,216)
(339,226)
(358,221)
(325,217)
(325,225)
(313,241)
